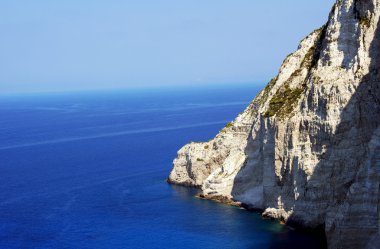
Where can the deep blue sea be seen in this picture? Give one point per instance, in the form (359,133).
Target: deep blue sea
(88,170)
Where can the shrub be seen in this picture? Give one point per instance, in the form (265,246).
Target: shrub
(229,125)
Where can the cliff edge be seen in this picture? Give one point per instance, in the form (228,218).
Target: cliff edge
(307,149)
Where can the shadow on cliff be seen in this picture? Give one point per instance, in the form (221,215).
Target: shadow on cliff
(342,167)
(326,194)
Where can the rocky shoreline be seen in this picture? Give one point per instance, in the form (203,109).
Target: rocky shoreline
(229,202)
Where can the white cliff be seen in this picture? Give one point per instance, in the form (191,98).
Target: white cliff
(307,149)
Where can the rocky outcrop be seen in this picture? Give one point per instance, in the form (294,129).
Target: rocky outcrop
(307,149)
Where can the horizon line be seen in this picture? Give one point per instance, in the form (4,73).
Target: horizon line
(136,88)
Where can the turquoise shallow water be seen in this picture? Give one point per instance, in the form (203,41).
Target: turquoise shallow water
(88,170)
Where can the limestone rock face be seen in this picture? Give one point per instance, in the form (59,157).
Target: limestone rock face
(307,149)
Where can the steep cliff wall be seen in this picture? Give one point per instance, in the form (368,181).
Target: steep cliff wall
(307,149)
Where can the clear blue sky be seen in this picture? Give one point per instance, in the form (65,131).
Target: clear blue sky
(90,44)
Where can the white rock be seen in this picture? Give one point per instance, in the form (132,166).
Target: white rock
(307,149)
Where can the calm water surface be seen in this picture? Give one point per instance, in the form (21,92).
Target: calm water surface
(87,170)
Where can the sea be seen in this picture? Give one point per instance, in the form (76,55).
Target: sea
(88,170)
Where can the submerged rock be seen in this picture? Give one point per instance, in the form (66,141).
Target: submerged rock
(307,149)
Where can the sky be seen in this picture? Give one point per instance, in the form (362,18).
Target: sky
(91,44)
